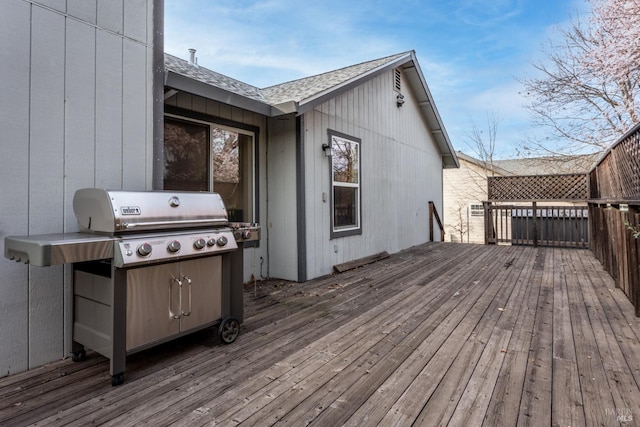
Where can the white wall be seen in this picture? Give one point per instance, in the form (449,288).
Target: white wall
(401,172)
(76,112)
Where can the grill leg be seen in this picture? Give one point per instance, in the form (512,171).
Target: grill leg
(119,335)
(236,292)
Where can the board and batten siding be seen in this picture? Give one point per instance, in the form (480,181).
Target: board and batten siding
(255,258)
(77,111)
(282,224)
(401,171)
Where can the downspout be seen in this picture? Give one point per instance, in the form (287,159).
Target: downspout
(157,166)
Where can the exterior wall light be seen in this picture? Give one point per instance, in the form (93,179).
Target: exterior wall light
(328,151)
(400,100)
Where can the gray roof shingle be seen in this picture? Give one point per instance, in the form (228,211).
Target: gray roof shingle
(298,90)
(204,75)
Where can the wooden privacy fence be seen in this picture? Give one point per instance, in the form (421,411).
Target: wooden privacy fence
(533,225)
(615,246)
(614,209)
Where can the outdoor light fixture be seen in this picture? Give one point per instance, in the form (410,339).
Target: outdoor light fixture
(400,100)
(328,151)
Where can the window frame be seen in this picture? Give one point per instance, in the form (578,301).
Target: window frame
(476,210)
(342,231)
(188,116)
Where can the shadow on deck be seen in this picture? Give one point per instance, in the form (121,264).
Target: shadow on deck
(437,334)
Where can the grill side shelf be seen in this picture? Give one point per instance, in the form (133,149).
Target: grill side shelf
(52,249)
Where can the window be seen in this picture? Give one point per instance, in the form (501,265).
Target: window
(204,156)
(477,210)
(345,183)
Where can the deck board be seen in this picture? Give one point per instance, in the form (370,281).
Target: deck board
(439,334)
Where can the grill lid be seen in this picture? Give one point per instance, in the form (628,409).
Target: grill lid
(107,211)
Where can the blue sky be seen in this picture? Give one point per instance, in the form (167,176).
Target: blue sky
(471,51)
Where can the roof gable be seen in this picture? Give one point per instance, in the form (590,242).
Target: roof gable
(302,95)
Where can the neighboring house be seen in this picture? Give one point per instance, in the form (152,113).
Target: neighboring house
(334,167)
(466,188)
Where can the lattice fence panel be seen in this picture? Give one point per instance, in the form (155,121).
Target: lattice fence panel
(539,187)
(617,176)
(626,157)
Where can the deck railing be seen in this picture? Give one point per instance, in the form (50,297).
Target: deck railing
(612,217)
(614,209)
(433,213)
(534,225)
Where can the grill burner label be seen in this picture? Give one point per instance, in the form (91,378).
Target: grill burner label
(130,210)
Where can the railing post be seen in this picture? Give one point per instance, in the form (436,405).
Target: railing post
(488,223)
(535,225)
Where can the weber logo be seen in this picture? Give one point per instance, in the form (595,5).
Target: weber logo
(130,210)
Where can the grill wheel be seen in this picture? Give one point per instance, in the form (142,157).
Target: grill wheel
(229,330)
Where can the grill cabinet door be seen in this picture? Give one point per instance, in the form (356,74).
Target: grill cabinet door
(201,298)
(153,298)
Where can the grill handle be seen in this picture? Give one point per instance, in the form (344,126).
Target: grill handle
(172,224)
(188,313)
(179,282)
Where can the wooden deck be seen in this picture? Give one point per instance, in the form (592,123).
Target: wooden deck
(441,334)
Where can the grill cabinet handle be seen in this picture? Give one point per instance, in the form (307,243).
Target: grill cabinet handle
(179,282)
(188,313)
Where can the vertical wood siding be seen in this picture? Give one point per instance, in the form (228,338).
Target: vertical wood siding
(76,112)
(401,170)
(282,218)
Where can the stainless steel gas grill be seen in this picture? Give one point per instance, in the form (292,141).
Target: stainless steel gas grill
(147,267)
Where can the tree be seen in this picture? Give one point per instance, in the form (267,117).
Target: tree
(461,225)
(589,90)
(483,145)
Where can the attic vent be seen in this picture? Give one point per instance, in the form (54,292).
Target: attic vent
(397,79)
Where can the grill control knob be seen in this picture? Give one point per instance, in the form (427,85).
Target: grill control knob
(222,241)
(174,246)
(211,242)
(246,234)
(199,243)
(144,249)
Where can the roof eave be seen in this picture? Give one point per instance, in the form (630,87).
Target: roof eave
(410,66)
(416,79)
(196,87)
(287,107)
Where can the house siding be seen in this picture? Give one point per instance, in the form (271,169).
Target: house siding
(282,222)
(76,112)
(401,171)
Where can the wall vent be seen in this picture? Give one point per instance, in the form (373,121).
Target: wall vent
(397,80)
